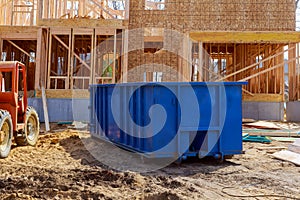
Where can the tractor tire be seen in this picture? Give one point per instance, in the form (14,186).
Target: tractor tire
(6,134)
(30,134)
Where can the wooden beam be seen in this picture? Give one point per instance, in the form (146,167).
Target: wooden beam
(19,32)
(60,31)
(68,93)
(83,31)
(273,134)
(1,48)
(116,12)
(127,4)
(45,109)
(253,65)
(263,98)
(200,61)
(244,90)
(92,59)
(125,56)
(46,8)
(44,57)
(65,6)
(67,47)
(19,29)
(25,52)
(70,59)
(267,70)
(93,10)
(185,68)
(83,23)
(19,36)
(292,73)
(94,54)
(105,31)
(247,92)
(282,81)
(246,37)
(298,72)
(38,60)
(49,60)
(103,9)
(32,14)
(40,10)
(114,61)
(81,8)
(153,38)
(12,13)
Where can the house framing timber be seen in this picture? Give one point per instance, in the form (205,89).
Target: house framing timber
(69,44)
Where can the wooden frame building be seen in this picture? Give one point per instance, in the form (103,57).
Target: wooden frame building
(69,44)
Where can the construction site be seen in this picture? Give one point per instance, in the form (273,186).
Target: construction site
(84,67)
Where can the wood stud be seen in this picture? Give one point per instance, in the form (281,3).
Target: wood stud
(249,40)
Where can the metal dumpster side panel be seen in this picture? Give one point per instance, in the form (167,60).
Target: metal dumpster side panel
(139,107)
(231,136)
(207,130)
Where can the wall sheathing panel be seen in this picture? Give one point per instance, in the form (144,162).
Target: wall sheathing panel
(231,15)
(266,82)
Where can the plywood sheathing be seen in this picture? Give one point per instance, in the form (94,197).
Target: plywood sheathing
(170,59)
(230,17)
(233,15)
(260,24)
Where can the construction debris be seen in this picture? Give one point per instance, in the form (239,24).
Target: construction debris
(295,147)
(283,139)
(251,138)
(272,148)
(64,123)
(273,133)
(78,125)
(292,154)
(60,167)
(262,125)
(288,156)
(246,120)
(272,129)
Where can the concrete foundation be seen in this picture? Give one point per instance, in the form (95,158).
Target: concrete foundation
(293,111)
(264,110)
(62,109)
(77,110)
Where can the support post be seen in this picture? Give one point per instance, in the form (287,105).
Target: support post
(292,70)
(114,61)
(125,56)
(200,62)
(38,59)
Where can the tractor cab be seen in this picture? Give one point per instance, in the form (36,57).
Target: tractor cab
(13,92)
(16,117)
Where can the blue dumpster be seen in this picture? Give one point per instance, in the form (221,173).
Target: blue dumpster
(166,120)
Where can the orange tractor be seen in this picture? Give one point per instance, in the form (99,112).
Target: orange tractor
(17,119)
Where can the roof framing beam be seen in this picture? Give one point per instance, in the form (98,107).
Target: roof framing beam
(245,37)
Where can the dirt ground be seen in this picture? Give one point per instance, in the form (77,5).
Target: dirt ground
(60,167)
